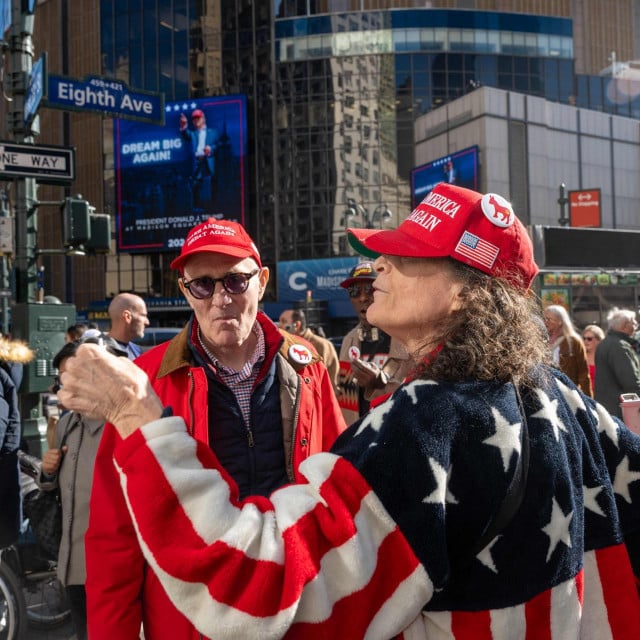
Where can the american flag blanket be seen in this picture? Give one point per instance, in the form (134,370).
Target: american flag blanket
(380,542)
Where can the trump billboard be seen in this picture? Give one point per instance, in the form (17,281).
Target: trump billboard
(459,168)
(169,178)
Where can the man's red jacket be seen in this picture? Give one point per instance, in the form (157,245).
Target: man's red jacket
(122,591)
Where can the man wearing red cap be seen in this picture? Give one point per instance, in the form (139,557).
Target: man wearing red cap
(488,497)
(262,401)
(371,363)
(204,141)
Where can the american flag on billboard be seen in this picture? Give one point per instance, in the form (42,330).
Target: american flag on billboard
(380,539)
(477,249)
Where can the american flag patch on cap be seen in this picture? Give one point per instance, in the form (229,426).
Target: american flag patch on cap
(477,249)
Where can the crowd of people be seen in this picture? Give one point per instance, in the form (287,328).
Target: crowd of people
(458,469)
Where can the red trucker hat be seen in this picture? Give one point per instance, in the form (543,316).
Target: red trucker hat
(479,230)
(217,236)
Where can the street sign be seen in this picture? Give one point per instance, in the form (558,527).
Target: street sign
(106,96)
(584,208)
(49,165)
(36,88)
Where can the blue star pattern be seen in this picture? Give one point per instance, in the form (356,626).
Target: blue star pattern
(453,449)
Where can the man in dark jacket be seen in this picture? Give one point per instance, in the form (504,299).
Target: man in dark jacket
(261,401)
(617,362)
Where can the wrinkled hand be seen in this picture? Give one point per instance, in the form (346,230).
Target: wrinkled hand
(103,386)
(367,373)
(52,459)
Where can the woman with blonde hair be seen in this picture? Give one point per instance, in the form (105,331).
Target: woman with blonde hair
(567,348)
(592,335)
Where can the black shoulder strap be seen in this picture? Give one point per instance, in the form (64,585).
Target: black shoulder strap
(516,489)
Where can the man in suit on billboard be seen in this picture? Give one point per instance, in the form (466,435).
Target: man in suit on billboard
(204,141)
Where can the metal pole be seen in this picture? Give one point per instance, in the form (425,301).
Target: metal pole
(563,221)
(25,198)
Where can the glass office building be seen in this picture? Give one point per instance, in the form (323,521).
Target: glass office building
(333,90)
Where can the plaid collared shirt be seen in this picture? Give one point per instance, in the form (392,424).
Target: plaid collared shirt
(240,382)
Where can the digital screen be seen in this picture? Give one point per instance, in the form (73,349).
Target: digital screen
(169,178)
(459,168)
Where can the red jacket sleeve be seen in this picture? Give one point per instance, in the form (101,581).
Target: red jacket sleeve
(115,565)
(332,420)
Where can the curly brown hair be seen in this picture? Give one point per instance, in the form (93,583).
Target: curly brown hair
(497,334)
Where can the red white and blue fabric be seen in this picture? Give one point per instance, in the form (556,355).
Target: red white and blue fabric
(378,542)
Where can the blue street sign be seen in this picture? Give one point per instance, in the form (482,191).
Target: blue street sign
(106,96)
(5,17)
(35,90)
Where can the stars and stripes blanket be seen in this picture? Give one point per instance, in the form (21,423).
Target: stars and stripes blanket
(380,540)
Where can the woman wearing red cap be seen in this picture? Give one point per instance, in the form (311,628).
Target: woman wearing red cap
(487,498)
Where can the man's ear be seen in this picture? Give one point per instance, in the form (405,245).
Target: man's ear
(264,279)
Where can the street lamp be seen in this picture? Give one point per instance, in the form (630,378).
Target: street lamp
(377,220)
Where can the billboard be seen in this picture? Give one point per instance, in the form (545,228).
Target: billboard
(459,168)
(169,178)
(322,277)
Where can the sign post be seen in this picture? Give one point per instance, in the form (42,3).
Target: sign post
(49,164)
(585,208)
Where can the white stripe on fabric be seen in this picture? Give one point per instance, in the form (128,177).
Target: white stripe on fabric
(566,611)
(207,615)
(401,608)
(510,623)
(438,625)
(595,625)
(349,567)
(207,487)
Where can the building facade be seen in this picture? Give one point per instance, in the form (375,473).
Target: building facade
(335,91)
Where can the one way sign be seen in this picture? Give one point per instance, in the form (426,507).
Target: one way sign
(49,165)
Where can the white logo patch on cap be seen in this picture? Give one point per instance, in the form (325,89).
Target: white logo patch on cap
(497,210)
(300,354)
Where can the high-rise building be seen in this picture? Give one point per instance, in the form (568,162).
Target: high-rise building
(333,91)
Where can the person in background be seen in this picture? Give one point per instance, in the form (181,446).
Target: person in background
(14,354)
(74,478)
(294,321)
(592,336)
(75,331)
(129,317)
(568,350)
(488,497)
(261,401)
(617,362)
(371,363)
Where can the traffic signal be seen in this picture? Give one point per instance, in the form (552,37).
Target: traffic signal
(100,240)
(76,223)
(83,229)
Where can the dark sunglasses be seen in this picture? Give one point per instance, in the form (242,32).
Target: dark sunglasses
(588,338)
(354,290)
(233,283)
(56,385)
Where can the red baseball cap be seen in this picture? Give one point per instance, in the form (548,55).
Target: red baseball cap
(479,230)
(217,236)
(197,113)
